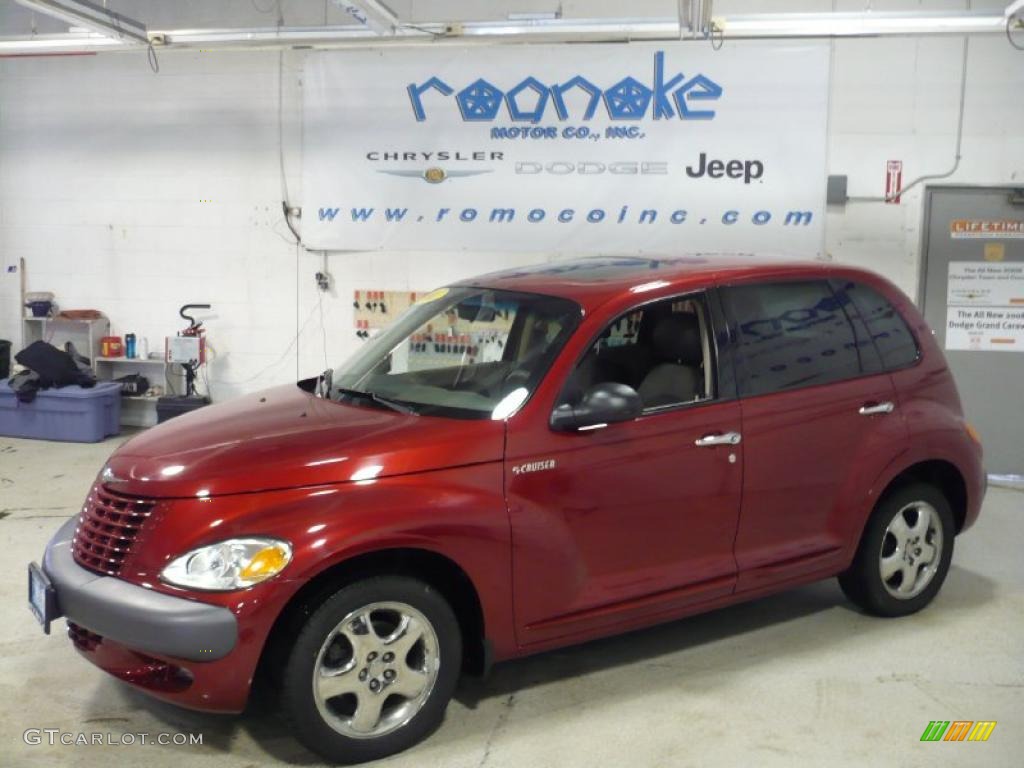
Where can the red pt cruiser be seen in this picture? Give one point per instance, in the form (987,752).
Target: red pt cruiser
(522,461)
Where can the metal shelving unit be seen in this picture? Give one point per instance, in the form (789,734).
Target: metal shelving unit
(139,410)
(84,334)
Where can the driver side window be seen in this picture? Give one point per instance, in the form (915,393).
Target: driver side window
(661,350)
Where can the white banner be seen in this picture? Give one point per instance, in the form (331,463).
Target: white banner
(640,148)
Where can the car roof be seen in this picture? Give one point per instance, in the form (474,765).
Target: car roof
(594,280)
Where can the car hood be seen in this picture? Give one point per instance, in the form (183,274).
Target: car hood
(286,438)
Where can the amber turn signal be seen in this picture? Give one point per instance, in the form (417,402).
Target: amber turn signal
(972,432)
(265,563)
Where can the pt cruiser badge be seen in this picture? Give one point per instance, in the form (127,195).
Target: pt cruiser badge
(533,466)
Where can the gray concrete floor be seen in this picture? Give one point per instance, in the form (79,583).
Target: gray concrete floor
(795,679)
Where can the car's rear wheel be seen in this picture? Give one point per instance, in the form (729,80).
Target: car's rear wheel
(904,553)
(373,669)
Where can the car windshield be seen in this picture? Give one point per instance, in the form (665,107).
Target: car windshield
(465,352)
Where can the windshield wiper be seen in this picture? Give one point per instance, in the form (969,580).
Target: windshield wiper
(394,405)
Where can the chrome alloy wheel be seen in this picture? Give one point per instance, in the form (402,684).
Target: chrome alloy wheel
(911,550)
(376,669)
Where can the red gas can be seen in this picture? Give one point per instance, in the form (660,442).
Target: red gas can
(111,346)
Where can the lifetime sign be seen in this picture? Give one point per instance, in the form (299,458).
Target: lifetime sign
(530,100)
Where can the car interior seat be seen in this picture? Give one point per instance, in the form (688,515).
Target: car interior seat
(676,376)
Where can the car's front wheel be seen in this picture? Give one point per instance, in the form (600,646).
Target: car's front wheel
(373,669)
(904,553)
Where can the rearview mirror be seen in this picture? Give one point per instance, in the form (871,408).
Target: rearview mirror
(476,310)
(602,404)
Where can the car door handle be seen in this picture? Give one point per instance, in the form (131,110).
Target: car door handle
(728,438)
(870,409)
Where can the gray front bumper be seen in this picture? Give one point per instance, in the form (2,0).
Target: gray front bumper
(133,616)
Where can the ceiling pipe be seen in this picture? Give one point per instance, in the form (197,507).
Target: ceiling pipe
(736,27)
(93,17)
(756,26)
(703,21)
(689,15)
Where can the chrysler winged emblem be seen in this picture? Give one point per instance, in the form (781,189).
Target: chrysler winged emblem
(434,175)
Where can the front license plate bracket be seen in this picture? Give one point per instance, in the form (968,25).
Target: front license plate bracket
(42,598)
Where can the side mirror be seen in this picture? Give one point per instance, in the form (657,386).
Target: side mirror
(605,403)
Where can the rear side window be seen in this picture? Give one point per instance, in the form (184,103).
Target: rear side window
(896,344)
(794,334)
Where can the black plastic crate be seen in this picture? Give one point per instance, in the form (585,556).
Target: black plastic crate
(175,405)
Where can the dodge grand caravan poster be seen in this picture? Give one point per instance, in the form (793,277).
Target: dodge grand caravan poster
(584,148)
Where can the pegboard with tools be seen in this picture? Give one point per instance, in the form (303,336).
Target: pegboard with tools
(447,340)
(441,348)
(377,309)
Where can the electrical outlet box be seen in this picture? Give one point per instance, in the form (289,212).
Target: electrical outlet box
(835,190)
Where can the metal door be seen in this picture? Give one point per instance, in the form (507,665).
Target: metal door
(972,293)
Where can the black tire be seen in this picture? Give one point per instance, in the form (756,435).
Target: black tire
(300,703)
(862,582)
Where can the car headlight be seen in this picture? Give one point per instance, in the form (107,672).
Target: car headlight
(231,564)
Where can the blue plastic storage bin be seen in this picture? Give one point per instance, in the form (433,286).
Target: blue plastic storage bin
(74,414)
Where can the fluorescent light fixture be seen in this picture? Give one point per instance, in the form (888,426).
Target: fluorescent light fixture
(79,13)
(857,24)
(433,32)
(539,16)
(27,46)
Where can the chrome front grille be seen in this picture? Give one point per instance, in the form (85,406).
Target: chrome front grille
(107,528)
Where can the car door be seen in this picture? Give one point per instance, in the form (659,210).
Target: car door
(635,519)
(816,426)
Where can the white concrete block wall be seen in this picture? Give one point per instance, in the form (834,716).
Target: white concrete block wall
(103,167)
(897,99)
(134,193)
